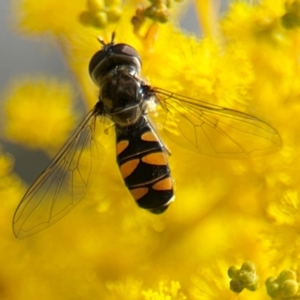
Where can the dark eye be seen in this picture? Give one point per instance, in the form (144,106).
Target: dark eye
(99,56)
(118,49)
(126,50)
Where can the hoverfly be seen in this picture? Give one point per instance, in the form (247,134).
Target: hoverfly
(141,155)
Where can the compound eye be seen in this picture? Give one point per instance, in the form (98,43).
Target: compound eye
(125,50)
(111,56)
(99,56)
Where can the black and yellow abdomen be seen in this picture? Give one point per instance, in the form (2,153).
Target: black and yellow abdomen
(144,166)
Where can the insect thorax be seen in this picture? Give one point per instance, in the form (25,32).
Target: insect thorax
(121,92)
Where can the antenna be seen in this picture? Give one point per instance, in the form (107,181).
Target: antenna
(100,39)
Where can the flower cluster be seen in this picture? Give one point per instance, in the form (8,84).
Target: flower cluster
(226,211)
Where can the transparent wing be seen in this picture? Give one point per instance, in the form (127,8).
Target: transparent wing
(214,130)
(63,183)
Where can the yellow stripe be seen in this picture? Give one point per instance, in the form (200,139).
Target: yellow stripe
(149,136)
(158,158)
(121,146)
(128,167)
(139,193)
(163,185)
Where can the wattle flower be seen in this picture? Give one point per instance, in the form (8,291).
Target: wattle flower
(241,215)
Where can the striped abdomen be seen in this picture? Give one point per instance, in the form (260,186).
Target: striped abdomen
(144,167)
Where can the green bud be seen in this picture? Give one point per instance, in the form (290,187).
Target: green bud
(289,288)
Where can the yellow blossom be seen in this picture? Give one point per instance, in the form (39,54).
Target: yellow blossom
(226,212)
(166,291)
(51,16)
(29,105)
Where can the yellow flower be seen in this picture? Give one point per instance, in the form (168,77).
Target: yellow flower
(165,291)
(51,16)
(226,212)
(39,113)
